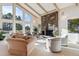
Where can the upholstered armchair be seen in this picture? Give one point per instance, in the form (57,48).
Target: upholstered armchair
(20,46)
(17,46)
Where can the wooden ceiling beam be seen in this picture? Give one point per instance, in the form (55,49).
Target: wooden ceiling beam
(26,10)
(42,7)
(56,6)
(32,9)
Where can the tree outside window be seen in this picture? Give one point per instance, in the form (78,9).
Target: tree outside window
(19,13)
(7,12)
(7,26)
(18,26)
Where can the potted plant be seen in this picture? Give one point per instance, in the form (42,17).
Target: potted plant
(1,36)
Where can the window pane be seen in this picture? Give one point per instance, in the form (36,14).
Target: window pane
(27,17)
(18,26)
(27,29)
(7,26)
(19,14)
(7,12)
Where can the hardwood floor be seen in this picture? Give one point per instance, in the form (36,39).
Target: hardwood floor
(40,50)
(64,52)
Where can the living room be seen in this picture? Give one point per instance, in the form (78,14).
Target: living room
(39,29)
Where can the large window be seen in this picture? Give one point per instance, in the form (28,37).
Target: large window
(19,13)
(27,17)
(7,26)
(7,11)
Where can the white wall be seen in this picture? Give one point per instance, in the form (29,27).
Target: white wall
(66,14)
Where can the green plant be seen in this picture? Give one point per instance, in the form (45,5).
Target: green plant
(1,35)
(73,25)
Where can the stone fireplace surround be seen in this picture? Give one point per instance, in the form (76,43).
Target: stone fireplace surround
(51,18)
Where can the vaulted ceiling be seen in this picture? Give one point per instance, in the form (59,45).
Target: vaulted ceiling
(40,9)
(43,8)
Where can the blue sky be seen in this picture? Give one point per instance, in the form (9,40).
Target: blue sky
(6,9)
(19,12)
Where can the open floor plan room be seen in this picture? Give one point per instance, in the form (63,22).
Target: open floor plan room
(39,29)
